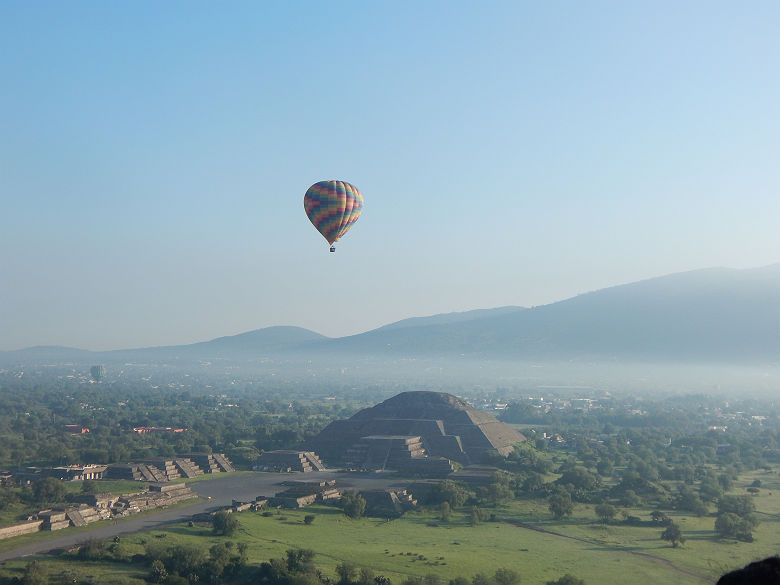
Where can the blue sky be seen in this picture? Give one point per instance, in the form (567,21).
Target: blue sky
(154,156)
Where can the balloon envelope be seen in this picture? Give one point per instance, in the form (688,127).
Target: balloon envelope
(332,207)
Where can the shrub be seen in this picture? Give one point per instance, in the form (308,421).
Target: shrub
(158,573)
(560,504)
(224,523)
(353,504)
(92,549)
(605,512)
(673,534)
(730,525)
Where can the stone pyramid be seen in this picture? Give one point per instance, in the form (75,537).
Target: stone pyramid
(446,425)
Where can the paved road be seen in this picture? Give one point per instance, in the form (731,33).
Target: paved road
(221,491)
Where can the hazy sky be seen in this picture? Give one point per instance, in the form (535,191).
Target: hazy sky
(154,156)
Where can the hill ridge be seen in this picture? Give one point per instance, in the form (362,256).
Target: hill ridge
(710,314)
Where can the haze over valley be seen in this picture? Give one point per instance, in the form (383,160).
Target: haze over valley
(706,330)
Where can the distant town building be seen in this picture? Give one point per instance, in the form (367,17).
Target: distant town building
(145,430)
(76,429)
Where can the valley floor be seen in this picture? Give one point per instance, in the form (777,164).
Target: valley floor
(523,538)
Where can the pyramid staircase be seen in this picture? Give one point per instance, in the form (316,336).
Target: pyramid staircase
(167,468)
(314,461)
(379,452)
(151,473)
(187,467)
(289,460)
(205,461)
(224,463)
(83,515)
(75,517)
(134,471)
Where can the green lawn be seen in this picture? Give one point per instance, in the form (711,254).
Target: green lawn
(409,546)
(526,539)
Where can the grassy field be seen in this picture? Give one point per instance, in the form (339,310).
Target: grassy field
(526,539)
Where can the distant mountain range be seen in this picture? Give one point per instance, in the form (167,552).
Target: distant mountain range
(723,315)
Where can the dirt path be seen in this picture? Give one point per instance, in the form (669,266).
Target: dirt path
(656,560)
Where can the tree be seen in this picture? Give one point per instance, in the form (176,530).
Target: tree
(48,491)
(273,571)
(453,492)
(560,504)
(346,572)
(497,490)
(659,517)
(445,511)
(33,574)
(735,518)
(605,512)
(92,549)
(604,468)
(185,559)
(729,525)
(740,505)
(243,548)
(580,478)
(308,519)
(631,499)
(506,577)
(225,523)
(366,577)
(353,504)
(475,516)
(673,534)
(118,551)
(533,482)
(726,482)
(709,490)
(158,573)
(687,500)
(300,560)
(219,558)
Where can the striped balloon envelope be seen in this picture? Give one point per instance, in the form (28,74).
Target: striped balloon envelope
(332,207)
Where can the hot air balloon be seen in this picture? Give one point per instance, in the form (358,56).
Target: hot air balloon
(332,207)
(97,372)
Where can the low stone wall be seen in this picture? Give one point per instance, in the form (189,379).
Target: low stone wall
(159,496)
(292,501)
(19,529)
